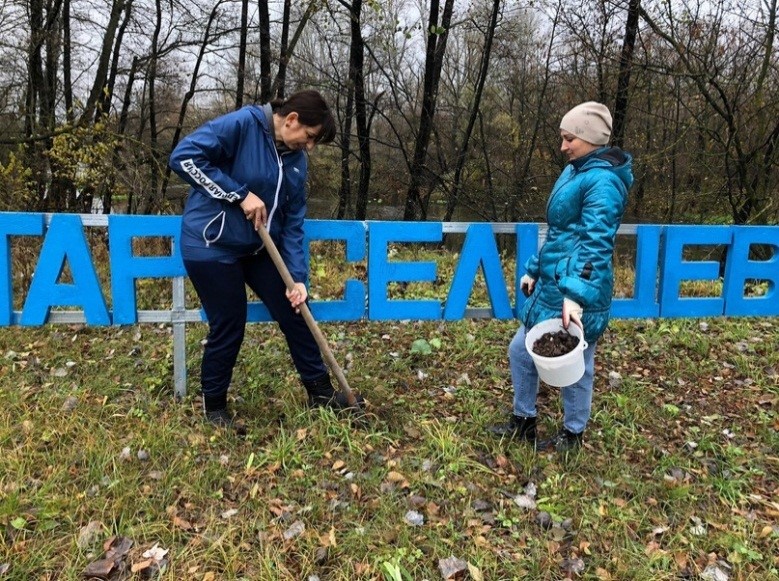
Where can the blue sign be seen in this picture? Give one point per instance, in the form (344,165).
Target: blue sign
(661,269)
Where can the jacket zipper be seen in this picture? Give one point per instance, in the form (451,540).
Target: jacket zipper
(276,195)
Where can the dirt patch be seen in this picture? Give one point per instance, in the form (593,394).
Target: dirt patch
(555,344)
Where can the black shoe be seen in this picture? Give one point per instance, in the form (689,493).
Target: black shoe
(322,394)
(337,401)
(562,441)
(221,418)
(517,428)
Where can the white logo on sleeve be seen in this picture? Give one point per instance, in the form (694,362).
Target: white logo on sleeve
(208,185)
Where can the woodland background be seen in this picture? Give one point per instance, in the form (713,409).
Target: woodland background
(447,109)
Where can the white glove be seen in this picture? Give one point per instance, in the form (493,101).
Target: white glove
(527,284)
(572,311)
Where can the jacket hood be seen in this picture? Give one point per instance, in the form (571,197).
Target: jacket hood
(259,114)
(612,158)
(264,115)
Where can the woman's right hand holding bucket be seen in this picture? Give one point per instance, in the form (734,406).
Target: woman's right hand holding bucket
(572,311)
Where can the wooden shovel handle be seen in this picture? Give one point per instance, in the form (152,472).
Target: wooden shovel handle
(321,340)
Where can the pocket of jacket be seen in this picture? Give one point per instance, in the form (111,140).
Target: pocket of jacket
(230,229)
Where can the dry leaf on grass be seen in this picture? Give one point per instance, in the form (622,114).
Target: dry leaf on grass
(452,568)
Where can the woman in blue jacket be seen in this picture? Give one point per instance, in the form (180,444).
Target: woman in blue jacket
(572,273)
(248,171)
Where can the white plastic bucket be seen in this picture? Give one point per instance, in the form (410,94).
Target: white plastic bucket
(559,371)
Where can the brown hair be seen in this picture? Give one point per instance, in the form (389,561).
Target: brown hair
(312,110)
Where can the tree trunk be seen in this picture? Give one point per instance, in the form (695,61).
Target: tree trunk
(436,47)
(122,127)
(152,204)
(625,68)
(523,178)
(462,152)
(355,104)
(104,103)
(242,54)
(67,82)
(281,75)
(279,83)
(103,61)
(265,54)
(40,99)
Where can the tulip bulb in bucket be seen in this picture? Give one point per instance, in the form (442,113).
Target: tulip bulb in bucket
(559,371)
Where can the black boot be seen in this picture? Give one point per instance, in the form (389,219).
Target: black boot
(216,413)
(517,428)
(220,418)
(562,441)
(322,394)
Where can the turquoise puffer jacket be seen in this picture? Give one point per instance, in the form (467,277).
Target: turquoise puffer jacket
(583,213)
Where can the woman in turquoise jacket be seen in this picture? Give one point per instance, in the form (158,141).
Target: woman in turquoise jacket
(572,273)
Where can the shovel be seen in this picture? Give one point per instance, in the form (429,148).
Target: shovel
(321,341)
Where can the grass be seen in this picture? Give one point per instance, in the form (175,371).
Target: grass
(679,470)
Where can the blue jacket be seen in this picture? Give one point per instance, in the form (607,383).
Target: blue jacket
(225,159)
(583,214)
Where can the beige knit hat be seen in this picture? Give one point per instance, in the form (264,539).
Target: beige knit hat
(589,121)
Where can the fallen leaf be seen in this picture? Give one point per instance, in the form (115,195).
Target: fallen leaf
(141,565)
(414,518)
(393,476)
(101,569)
(89,534)
(475,572)
(575,566)
(557,533)
(361,569)
(651,548)
(525,501)
(156,553)
(452,567)
(320,555)
(70,404)
(117,547)
(295,530)
(714,573)
(415,500)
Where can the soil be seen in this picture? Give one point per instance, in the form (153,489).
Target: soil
(555,344)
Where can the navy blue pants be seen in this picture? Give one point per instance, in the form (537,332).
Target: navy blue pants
(221,288)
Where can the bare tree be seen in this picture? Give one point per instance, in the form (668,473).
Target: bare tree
(104,60)
(265,53)
(717,50)
(625,68)
(438,31)
(242,54)
(489,35)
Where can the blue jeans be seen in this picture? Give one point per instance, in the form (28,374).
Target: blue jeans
(577,398)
